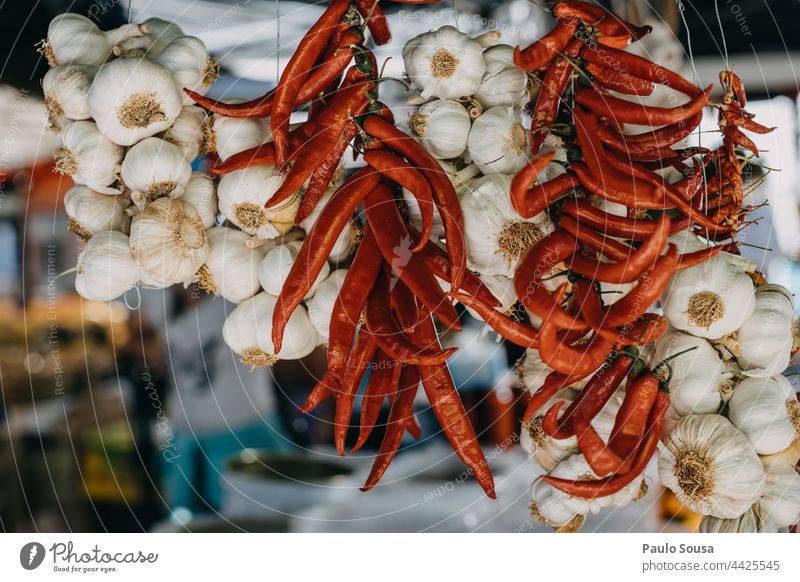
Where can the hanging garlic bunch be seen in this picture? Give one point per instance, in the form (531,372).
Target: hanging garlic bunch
(320,306)
(275,267)
(155,168)
(503,83)
(444,63)
(168,242)
(88,157)
(74,39)
(201,192)
(767,411)
(248,332)
(547,508)
(90,213)
(186,131)
(105,268)
(66,93)
(133,98)
(754,520)
(231,268)
(229,135)
(348,238)
(243,194)
(160,33)
(496,235)
(781,499)
(191,66)
(711,466)
(709,300)
(764,341)
(442,125)
(498,142)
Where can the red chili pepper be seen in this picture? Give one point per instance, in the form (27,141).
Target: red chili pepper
(653,144)
(631,420)
(263,155)
(738,138)
(624,111)
(546,48)
(687,260)
(404,305)
(524,180)
(740,120)
(514,331)
(539,197)
(619,226)
(371,11)
(606,21)
(321,391)
(617,187)
(435,258)
(609,247)
(552,384)
(602,460)
(619,81)
(383,380)
(588,141)
(356,367)
(734,83)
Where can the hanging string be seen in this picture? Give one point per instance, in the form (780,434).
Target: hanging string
(277,41)
(722,33)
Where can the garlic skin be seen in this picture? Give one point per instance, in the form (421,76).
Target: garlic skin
(442,127)
(133,98)
(88,157)
(754,520)
(546,507)
(767,411)
(445,63)
(765,338)
(503,83)
(320,306)
(105,268)
(228,135)
(248,332)
(709,300)
(66,93)
(532,371)
(348,238)
(711,466)
(90,212)
(541,447)
(231,268)
(74,39)
(274,268)
(168,242)
(496,235)
(160,33)
(242,195)
(503,290)
(155,168)
(186,131)
(781,499)
(201,192)
(498,142)
(192,68)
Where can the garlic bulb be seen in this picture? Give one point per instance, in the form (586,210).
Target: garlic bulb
(248,332)
(697,373)
(764,340)
(503,83)
(767,411)
(228,135)
(497,142)
(155,168)
(711,466)
(496,235)
(201,192)
(74,39)
(532,371)
(89,212)
(133,98)
(160,33)
(168,242)
(542,448)
(546,507)
(231,268)
(348,238)
(709,300)
(88,157)
(242,195)
(66,92)
(503,290)
(753,520)
(275,267)
(186,131)
(781,499)
(106,268)
(320,306)
(192,68)
(444,63)
(442,126)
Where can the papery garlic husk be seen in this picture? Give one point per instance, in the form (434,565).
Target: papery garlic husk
(229,135)
(688,242)
(709,300)
(186,131)
(88,157)
(275,267)
(133,98)
(348,238)
(66,92)
(764,340)
(546,507)
(532,371)
(503,290)
(191,66)
(248,332)
(444,63)
(767,411)
(153,169)
(496,235)
(503,83)
(231,268)
(242,195)
(711,466)
(160,33)
(555,144)
(781,499)
(498,142)
(751,521)
(74,39)
(442,126)
(320,306)
(90,212)
(168,242)
(106,268)
(696,375)
(201,192)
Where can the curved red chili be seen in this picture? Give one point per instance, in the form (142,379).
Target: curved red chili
(624,111)
(514,331)
(539,197)
(631,420)
(619,81)
(371,11)
(546,48)
(356,367)
(383,379)
(524,180)
(609,247)
(619,226)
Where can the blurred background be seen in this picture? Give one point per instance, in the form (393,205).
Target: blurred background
(113,421)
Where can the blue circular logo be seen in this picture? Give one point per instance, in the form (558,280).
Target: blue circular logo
(31,555)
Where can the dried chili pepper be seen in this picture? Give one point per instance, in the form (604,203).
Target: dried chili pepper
(514,331)
(606,21)
(435,258)
(356,366)
(601,459)
(525,178)
(613,249)
(619,81)
(552,384)
(371,11)
(619,226)
(383,380)
(546,48)
(624,111)
(318,394)
(631,420)
(617,187)
(687,260)
(539,197)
